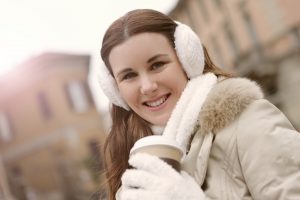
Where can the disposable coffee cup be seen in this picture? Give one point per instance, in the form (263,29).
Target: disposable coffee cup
(166,149)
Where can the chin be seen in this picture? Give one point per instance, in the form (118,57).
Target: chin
(161,122)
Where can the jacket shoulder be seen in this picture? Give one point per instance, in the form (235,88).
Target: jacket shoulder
(226,101)
(268,151)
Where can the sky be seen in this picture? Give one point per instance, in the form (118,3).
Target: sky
(29,28)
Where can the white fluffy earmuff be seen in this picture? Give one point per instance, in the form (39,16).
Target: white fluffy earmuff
(189,50)
(190,54)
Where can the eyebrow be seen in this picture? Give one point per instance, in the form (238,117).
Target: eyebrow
(155,57)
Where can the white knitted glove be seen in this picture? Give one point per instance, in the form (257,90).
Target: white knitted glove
(152,179)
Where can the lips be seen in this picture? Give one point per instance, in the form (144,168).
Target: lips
(157,102)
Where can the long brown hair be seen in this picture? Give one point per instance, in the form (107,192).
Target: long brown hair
(127,126)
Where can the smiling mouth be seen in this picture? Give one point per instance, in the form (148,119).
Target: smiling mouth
(158,102)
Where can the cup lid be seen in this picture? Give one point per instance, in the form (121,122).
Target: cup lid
(155,140)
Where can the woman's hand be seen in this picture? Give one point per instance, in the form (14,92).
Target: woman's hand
(152,178)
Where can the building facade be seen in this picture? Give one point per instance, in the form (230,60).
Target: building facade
(256,39)
(50,130)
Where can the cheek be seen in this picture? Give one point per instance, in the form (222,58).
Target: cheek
(179,83)
(183,83)
(128,93)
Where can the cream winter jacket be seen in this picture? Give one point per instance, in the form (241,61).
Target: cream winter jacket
(255,151)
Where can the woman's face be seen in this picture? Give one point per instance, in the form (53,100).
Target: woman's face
(149,76)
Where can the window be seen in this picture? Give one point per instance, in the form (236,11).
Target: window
(218,3)
(203,10)
(250,28)
(231,40)
(88,93)
(5,128)
(217,49)
(78,95)
(44,105)
(93,161)
(95,151)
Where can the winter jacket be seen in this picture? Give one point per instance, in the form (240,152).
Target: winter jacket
(254,152)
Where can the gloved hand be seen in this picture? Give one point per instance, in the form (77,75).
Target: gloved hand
(152,179)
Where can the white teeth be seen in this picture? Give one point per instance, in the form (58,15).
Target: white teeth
(157,103)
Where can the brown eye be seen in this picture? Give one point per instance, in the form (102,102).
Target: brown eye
(129,75)
(157,65)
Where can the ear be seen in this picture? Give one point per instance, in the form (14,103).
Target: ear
(189,50)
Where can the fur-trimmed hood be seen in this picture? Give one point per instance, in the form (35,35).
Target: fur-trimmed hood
(210,104)
(226,101)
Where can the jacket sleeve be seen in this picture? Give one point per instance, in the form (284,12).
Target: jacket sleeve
(269,152)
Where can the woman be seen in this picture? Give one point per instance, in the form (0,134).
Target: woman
(161,80)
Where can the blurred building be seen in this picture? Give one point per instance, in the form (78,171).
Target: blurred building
(50,131)
(256,39)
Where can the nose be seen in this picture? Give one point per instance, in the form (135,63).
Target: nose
(148,86)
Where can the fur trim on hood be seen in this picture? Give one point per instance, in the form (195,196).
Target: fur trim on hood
(225,102)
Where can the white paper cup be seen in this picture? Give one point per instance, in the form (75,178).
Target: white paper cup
(166,149)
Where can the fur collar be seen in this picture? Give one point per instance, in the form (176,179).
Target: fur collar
(225,102)
(184,116)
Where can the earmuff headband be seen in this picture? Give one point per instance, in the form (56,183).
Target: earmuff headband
(190,54)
